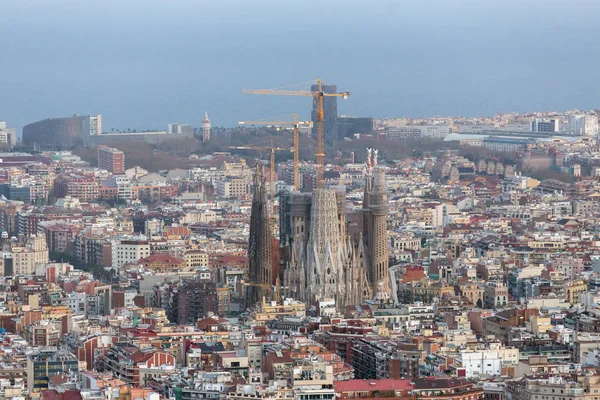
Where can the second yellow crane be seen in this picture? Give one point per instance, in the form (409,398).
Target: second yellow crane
(296,124)
(271,150)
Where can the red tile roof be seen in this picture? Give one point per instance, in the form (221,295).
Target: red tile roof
(59,379)
(434,382)
(208,322)
(141,356)
(161,258)
(72,394)
(177,231)
(370,385)
(51,395)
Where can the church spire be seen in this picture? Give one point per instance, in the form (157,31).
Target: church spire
(260,256)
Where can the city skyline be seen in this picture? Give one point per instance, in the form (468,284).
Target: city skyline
(396,58)
(419,220)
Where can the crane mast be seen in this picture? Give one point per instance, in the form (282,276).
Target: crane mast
(318,96)
(296,149)
(272,151)
(296,124)
(320,156)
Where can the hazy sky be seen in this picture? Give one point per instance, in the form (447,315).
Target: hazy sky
(145,63)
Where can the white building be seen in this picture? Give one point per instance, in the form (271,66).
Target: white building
(123,185)
(199,217)
(92,125)
(515,127)
(418,131)
(474,128)
(481,363)
(419,311)
(440,211)
(129,252)
(489,361)
(435,131)
(562,208)
(589,298)
(563,335)
(180,129)
(583,124)
(77,302)
(128,298)
(8,136)
(591,357)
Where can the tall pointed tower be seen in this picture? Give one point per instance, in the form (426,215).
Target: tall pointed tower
(206,128)
(260,248)
(325,250)
(376,229)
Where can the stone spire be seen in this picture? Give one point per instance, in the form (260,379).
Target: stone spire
(378,237)
(260,250)
(325,258)
(325,251)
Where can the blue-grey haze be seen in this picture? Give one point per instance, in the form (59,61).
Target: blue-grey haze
(145,63)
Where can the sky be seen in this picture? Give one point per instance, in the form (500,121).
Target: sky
(145,63)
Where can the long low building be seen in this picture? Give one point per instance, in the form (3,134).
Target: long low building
(466,138)
(146,137)
(412,132)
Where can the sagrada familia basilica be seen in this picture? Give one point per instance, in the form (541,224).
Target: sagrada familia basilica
(328,251)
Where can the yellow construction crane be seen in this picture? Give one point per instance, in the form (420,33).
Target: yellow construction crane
(272,150)
(296,124)
(276,288)
(319,94)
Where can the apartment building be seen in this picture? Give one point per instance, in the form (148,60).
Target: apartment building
(232,187)
(110,159)
(129,252)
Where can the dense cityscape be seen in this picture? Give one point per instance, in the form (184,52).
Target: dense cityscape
(467,268)
(189,212)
